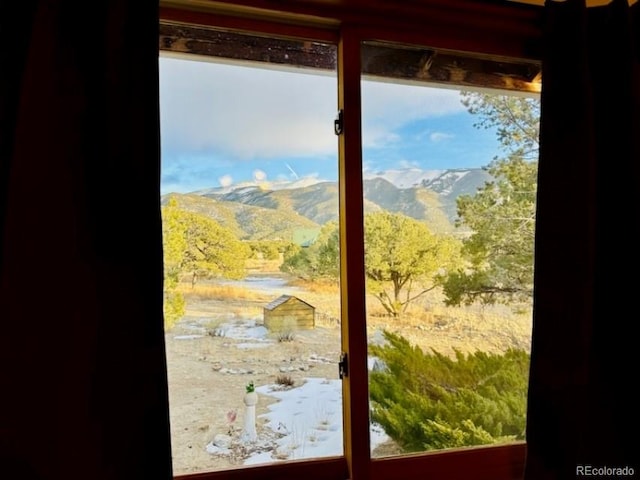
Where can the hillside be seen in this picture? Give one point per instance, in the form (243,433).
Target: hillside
(416,202)
(257,212)
(317,202)
(247,222)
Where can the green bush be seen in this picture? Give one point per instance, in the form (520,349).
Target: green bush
(427,401)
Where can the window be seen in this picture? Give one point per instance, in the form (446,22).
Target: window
(450,180)
(251,302)
(348,319)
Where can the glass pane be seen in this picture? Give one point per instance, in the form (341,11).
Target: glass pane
(449,185)
(249,171)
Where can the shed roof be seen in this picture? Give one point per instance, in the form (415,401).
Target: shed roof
(283,299)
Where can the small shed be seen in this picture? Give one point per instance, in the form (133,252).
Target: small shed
(289,313)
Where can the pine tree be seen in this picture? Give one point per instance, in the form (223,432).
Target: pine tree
(501,214)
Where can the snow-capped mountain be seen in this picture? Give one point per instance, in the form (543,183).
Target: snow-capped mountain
(260,209)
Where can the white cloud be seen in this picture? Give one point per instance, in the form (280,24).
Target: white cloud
(245,113)
(387,107)
(397,103)
(408,164)
(378,136)
(259,175)
(225,180)
(440,136)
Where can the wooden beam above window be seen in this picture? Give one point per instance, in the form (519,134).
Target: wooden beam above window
(421,65)
(508,29)
(226,45)
(412,65)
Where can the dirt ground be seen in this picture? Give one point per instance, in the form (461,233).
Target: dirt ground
(208,369)
(208,375)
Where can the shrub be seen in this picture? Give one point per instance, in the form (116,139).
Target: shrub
(427,401)
(285,380)
(286,336)
(173,307)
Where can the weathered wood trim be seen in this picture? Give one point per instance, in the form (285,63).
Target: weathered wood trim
(247,48)
(243,47)
(496,28)
(423,65)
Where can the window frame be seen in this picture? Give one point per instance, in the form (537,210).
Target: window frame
(504,462)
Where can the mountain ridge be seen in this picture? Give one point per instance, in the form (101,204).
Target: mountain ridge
(255,210)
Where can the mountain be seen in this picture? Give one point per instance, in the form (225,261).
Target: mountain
(318,201)
(416,202)
(247,222)
(455,182)
(257,211)
(406,177)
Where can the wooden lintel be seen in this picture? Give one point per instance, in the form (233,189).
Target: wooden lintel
(242,47)
(422,65)
(425,65)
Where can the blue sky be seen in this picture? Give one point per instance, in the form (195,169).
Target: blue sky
(222,124)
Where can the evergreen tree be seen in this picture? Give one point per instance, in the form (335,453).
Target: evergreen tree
(427,401)
(501,215)
(297,261)
(403,259)
(211,250)
(319,260)
(174,245)
(197,246)
(266,249)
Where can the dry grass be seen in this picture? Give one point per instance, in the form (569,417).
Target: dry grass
(258,265)
(432,325)
(328,287)
(428,323)
(220,292)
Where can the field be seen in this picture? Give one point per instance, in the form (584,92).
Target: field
(220,345)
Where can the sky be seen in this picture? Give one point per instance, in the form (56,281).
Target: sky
(224,124)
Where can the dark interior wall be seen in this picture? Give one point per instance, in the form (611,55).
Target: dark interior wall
(82,363)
